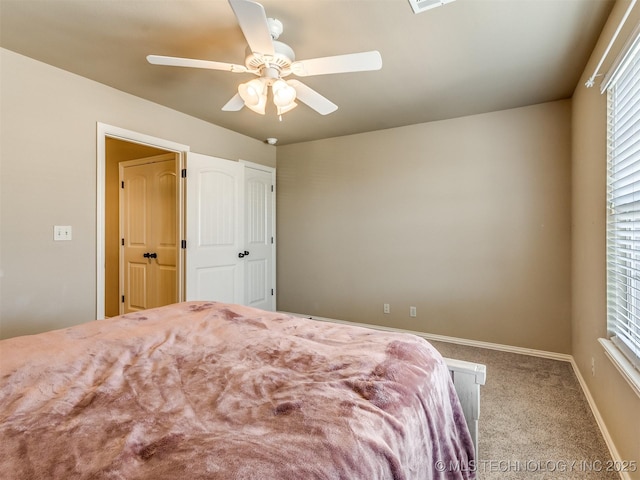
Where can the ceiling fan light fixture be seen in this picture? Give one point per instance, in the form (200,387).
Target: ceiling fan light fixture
(283,93)
(252,92)
(260,106)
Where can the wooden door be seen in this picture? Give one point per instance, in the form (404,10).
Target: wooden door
(164,233)
(149,233)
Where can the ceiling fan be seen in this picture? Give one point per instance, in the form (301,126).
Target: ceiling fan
(271,61)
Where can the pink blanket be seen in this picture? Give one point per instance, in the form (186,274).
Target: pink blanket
(215,391)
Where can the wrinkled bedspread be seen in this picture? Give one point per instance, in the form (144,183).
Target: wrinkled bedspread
(203,390)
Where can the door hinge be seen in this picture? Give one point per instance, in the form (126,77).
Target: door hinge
(183,244)
(272,291)
(272,240)
(122,298)
(272,188)
(122,184)
(123,242)
(183,173)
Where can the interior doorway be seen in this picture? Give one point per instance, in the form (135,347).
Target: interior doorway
(120,290)
(116,145)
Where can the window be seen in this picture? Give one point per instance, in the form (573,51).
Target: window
(623,213)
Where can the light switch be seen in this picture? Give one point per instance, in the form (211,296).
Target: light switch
(62,232)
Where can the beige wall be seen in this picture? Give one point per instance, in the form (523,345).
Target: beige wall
(47,177)
(618,405)
(466,219)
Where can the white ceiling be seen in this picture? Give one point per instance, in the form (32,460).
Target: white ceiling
(466,57)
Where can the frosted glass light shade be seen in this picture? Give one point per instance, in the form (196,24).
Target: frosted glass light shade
(283,93)
(260,106)
(252,91)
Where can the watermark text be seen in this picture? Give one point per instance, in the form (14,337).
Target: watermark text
(504,466)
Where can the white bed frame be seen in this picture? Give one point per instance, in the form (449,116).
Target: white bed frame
(467,378)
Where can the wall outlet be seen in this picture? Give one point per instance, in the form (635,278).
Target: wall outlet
(413,312)
(386,308)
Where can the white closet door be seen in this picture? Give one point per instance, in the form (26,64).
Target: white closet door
(215,238)
(259,238)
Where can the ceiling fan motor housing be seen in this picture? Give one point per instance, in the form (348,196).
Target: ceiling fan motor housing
(281,60)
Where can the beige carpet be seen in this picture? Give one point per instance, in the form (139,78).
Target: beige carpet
(535,422)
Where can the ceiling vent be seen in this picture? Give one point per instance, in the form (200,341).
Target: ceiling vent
(423,5)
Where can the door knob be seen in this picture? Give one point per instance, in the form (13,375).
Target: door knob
(243,254)
(150,255)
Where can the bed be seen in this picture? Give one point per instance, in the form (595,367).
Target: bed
(206,390)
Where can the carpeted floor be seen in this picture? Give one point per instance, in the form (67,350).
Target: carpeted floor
(535,422)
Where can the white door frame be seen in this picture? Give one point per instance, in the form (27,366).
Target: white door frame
(104,131)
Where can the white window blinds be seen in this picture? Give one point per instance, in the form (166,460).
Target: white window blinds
(623,218)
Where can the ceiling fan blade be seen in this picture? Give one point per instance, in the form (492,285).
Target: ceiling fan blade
(190,62)
(235,104)
(351,62)
(253,22)
(312,98)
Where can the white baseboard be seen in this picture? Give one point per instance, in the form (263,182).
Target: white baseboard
(615,456)
(442,338)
